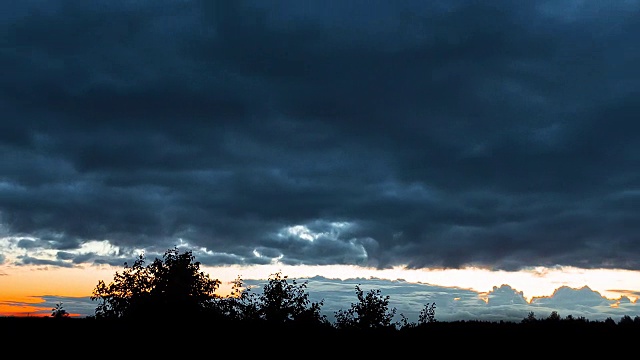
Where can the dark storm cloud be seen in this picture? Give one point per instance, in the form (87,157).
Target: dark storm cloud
(444,134)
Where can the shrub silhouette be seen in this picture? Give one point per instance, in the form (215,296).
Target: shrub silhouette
(58,312)
(427,314)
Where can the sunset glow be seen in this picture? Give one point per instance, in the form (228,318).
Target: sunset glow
(481,155)
(22,287)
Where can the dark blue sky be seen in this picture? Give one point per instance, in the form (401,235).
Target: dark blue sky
(498,134)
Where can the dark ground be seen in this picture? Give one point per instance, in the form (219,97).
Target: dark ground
(169,338)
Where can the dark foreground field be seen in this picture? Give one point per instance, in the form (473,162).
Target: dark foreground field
(192,338)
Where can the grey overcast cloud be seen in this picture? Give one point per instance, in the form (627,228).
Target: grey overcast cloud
(502,135)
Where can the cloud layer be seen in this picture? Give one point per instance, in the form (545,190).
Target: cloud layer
(426,134)
(503,303)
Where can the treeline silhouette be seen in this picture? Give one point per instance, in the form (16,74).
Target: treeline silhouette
(171,296)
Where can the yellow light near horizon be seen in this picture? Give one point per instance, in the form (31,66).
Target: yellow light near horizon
(536,282)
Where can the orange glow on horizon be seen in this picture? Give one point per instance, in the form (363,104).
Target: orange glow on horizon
(24,286)
(7,308)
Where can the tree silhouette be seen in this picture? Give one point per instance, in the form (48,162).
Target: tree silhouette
(239,305)
(174,286)
(554,317)
(530,319)
(279,303)
(282,302)
(370,312)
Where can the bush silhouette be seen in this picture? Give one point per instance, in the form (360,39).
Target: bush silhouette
(58,312)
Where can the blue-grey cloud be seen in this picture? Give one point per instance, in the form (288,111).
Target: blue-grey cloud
(451,304)
(426,134)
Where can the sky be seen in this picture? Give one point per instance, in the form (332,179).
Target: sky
(482,155)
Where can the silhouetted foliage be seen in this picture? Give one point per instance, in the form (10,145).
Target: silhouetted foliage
(238,305)
(58,312)
(531,318)
(370,312)
(175,287)
(279,303)
(169,287)
(626,320)
(554,317)
(427,314)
